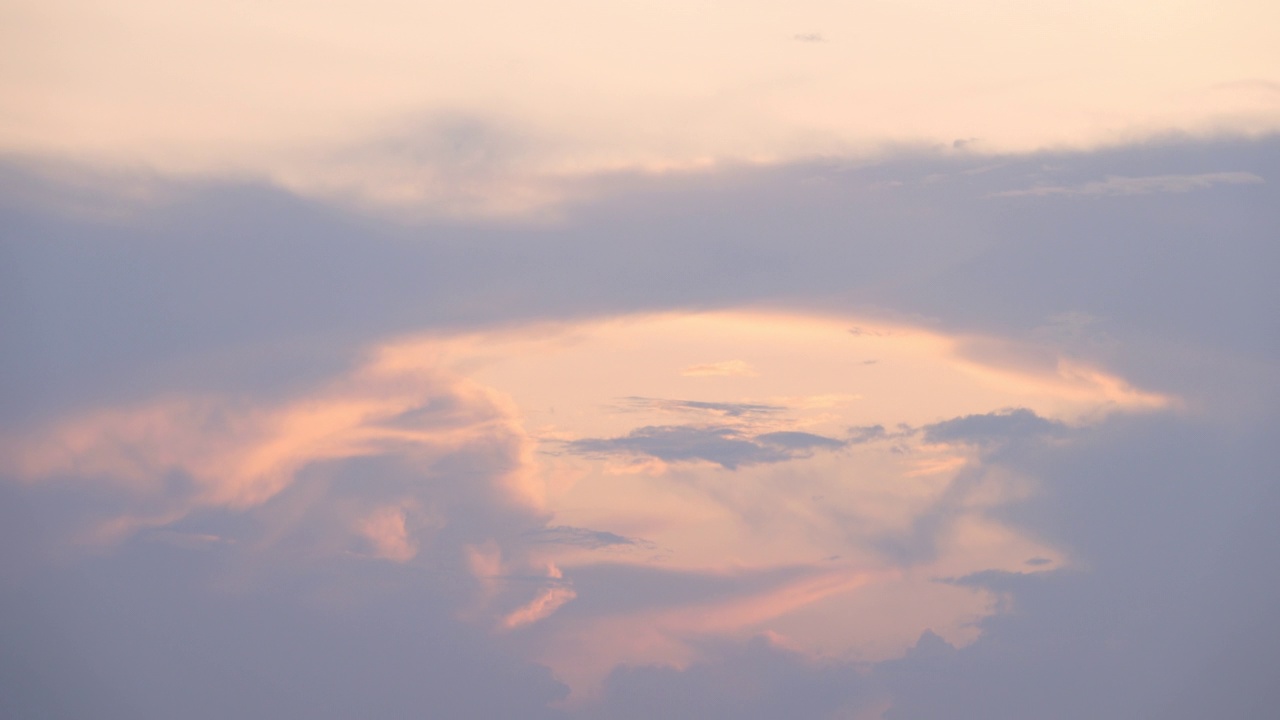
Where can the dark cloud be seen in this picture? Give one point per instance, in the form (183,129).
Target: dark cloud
(737,682)
(724,445)
(798,440)
(726,409)
(583,537)
(1015,424)
(868,433)
(153,631)
(1170,610)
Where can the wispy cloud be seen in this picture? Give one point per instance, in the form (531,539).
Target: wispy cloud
(723,445)
(728,368)
(582,537)
(548,600)
(727,409)
(1145,185)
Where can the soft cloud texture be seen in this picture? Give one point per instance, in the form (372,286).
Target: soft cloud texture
(266,456)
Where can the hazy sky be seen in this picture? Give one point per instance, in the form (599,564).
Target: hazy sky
(880,360)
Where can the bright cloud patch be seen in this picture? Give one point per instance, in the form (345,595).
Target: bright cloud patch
(802,488)
(831,482)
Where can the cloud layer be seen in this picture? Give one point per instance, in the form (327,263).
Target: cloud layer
(819,439)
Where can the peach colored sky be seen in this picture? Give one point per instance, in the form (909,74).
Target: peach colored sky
(474,107)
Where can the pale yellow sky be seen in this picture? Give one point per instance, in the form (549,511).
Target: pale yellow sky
(406,101)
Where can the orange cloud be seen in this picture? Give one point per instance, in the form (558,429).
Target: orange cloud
(548,600)
(385,529)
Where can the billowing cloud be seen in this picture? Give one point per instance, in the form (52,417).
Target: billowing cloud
(317,451)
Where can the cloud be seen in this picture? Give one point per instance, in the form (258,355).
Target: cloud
(582,537)
(858,435)
(158,630)
(725,409)
(385,528)
(548,600)
(303,270)
(759,678)
(1166,611)
(728,368)
(1118,185)
(793,440)
(197,375)
(724,445)
(995,427)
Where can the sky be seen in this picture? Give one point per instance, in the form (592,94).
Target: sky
(875,361)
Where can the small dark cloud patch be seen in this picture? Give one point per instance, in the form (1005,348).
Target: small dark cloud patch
(681,443)
(809,37)
(1037,561)
(993,580)
(867,433)
(993,427)
(727,409)
(582,537)
(726,446)
(799,440)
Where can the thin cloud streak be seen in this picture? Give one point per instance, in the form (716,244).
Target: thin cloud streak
(1121,186)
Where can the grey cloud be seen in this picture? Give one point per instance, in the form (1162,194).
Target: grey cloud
(858,435)
(737,682)
(245,290)
(798,440)
(1014,424)
(583,537)
(727,409)
(724,445)
(1140,185)
(1170,613)
(96,310)
(998,434)
(153,631)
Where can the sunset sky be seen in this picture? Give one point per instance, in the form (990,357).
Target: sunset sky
(878,360)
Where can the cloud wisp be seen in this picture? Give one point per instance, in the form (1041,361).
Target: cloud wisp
(724,445)
(1122,186)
